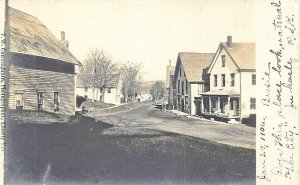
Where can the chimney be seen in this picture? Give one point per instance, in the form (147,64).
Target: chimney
(63,40)
(229,41)
(62,35)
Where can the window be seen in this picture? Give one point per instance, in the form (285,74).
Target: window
(199,89)
(19,97)
(232,76)
(231,104)
(182,87)
(40,101)
(178,86)
(56,102)
(252,103)
(186,86)
(223,60)
(180,72)
(223,80)
(85,89)
(215,80)
(109,90)
(253,79)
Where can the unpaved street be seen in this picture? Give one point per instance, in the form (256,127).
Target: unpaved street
(147,116)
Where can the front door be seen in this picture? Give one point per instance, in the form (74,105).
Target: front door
(236,105)
(222,105)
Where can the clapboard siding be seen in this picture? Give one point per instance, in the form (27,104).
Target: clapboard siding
(31,81)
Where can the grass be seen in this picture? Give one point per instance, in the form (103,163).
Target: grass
(91,152)
(38,117)
(96,104)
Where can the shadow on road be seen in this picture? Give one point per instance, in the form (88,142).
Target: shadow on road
(91,152)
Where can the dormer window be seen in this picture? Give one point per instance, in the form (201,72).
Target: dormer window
(223,60)
(180,72)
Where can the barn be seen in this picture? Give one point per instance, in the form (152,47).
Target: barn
(41,69)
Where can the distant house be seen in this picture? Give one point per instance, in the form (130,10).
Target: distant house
(169,79)
(42,71)
(232,82)
(171,92)
(112,93)
(190,80)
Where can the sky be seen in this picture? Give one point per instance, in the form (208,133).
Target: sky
(150,32)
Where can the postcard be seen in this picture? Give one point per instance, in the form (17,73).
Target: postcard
(137,92)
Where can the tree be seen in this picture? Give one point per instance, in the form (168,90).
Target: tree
(98,71)
(158,90)
(131,80)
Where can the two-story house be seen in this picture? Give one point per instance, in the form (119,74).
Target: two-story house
(232,82)
(41,69)
(189,80)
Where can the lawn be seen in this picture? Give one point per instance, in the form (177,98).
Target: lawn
(84,151)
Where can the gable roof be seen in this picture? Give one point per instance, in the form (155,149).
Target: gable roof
(193,64)
(115,78)
(243,55)
(27,35)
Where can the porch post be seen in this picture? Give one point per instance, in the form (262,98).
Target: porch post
(209,106)
(202,105)
(219,107)
(228,99)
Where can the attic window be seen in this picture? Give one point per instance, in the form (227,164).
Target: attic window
(223,60)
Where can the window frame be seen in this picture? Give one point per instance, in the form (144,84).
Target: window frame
(223,80)
(253,103)
(215,80)
(56,101)
(186,86)
(40,100)
(232,79)
(223,61)
(22,102)
(253,79)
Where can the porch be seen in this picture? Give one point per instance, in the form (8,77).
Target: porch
(221,106)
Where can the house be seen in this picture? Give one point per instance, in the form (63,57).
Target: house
(41,69)
(232,82)
(112,93)
(169,71)
(190,80)
(171,92)
(169,87)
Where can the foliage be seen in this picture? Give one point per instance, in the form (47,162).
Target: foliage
(98,69)
(158,90)
(131,79)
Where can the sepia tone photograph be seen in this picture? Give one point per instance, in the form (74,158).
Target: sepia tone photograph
(130,92)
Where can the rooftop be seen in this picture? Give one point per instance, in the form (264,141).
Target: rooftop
(27,35)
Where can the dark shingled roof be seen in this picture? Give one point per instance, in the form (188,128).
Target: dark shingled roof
(29,36)
(193,64)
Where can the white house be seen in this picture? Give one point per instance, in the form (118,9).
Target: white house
(189,80)
(112,93)
(232,82)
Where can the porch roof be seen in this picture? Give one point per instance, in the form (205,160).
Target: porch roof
(221,92)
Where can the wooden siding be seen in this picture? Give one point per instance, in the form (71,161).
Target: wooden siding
(31,81)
